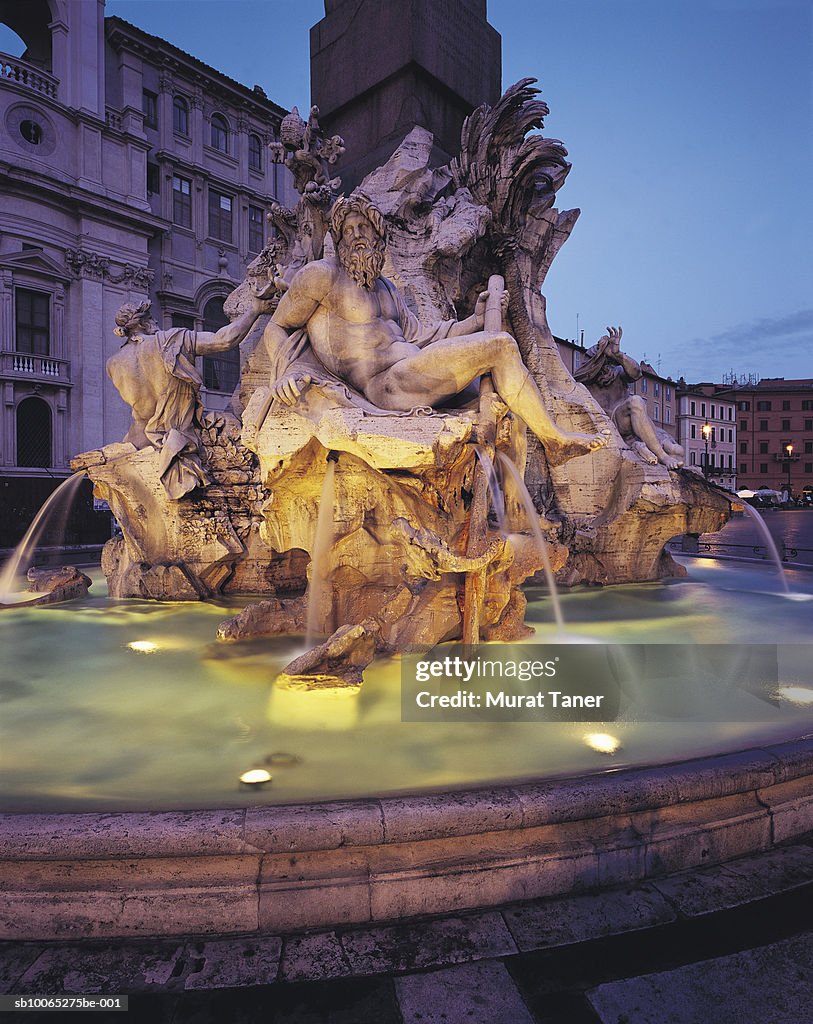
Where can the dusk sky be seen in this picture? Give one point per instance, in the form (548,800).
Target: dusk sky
(688,124)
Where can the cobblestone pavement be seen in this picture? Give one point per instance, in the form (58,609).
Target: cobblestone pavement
(730,943)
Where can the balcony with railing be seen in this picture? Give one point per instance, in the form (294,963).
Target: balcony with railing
(27,366)
(14,69)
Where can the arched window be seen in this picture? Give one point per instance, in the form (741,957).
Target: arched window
(30,23)
(255,153)
(180,116)
(220,133)
(222,372)
(34,433)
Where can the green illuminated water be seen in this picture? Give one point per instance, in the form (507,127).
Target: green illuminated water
(88,723)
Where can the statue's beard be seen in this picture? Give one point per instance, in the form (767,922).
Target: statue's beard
(363,261)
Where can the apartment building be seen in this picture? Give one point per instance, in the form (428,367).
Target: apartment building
(774,433)
(707,430)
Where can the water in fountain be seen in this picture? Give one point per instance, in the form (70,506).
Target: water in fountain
(533,520)
(60,500)
(321,548)
(770,544)
(497,498)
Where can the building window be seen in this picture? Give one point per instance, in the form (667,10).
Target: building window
(808,447)
(743,447)
(785,424)
(692,409)
(763,447)
(256,235)
(220,133)
(222,372)
(220,215)
(181,201)
(808,424)
(668,393)
(743,467)
(730,457)
(743,406)
(643,385)
(809,467)
(692,458)
(713,435)
(33,323)
(180,116)
(731,412)
(656,389)
(149,107)
(763,424)
(763,467)
(183,320)
(713,412)
(667,413)
(807,405)
(34,433)
(743,424)
(31,132)
(785,404)
(255,153)
(703,409)
(763,406)
(731,437)
(153,179)
(656,413)
(693,430)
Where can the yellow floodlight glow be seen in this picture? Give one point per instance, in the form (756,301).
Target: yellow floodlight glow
(143,646)
(255,777)
(603,742)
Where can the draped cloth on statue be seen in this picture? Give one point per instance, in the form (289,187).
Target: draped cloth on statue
(156,375)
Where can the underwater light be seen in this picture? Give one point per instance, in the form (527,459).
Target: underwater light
(255,777)
(795,694)
(603,742)
(143,646)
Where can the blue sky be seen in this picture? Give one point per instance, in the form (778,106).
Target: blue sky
(688,123)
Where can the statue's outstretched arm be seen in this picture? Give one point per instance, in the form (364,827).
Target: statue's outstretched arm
(230,336)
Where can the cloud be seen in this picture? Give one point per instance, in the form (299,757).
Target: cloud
(766,328)
(767,346)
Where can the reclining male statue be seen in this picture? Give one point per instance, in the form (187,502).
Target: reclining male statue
(607,372)
(357,325)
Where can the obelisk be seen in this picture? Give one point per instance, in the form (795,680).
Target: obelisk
(380,67)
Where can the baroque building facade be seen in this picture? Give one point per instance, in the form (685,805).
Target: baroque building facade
(129,169)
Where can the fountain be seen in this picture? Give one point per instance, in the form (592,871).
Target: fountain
(343,468)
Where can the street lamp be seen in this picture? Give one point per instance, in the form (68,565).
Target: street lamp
(789,453)
(705,430)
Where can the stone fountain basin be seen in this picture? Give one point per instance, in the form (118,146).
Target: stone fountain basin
(320,865)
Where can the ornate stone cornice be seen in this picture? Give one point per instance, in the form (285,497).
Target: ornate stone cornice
(90,264)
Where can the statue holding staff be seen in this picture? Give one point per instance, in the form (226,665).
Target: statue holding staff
(343,312)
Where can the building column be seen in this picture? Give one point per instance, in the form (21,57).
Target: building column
(60,453)
(8,454)
(7,331)
(58,334)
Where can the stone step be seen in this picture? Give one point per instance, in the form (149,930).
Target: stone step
(562,961)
